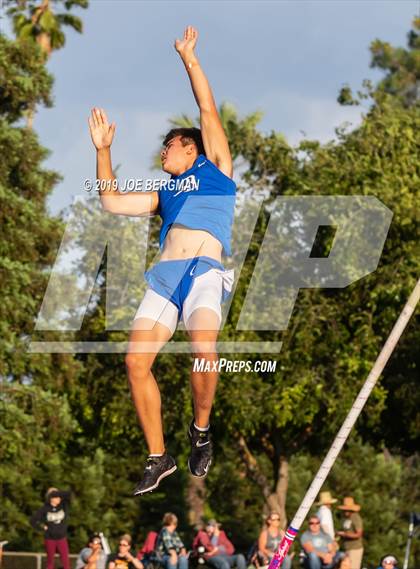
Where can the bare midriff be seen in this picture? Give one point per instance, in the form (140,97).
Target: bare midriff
(184,243)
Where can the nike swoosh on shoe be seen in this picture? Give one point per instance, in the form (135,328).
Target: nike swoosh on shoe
(150,488)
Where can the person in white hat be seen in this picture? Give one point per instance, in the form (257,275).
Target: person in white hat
(388,562)
(325,513)
(352,532)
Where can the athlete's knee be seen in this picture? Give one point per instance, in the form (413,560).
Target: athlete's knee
(138,366)
(205,351)
(204,345)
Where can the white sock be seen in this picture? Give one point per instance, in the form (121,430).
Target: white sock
(155,455)
(202,429)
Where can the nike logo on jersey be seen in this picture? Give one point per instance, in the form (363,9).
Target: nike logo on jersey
(192,270)
(201,164)
(189,184)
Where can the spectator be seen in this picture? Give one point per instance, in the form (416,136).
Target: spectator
(170,546)
(325,513)
(269,540)
(318,547)
(219,550)
(352,532)
(388,562)
(52,518)
(92,556)
(125,558)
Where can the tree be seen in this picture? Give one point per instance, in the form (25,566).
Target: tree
(380,482)
(334,335)
(36,420)
(36,22)
(402,67)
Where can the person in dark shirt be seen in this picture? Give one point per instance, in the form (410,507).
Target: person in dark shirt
(125,558)
(52,519)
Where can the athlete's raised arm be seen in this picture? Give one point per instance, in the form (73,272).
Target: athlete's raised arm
(136,204)
(214,137)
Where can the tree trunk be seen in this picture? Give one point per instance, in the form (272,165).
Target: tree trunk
(274,497)
(196,498)
(44,41)
(277,499)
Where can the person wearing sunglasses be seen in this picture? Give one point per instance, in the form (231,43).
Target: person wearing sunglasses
(269,540)
(318,547)
(92,556)
(124,558)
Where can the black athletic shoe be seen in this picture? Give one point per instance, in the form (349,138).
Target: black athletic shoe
(157,468)
(201,451)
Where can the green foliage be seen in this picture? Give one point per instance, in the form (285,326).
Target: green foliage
(402,68)
(24,81)
(36,21)
(88,439)
(379,482)
(34,427)
(36,418)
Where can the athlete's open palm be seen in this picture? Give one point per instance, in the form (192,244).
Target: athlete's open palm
(188,43)
(101,131)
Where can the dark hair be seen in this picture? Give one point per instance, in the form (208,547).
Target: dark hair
(94,536)
(190,135)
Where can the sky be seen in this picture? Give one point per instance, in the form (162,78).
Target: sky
(288,59)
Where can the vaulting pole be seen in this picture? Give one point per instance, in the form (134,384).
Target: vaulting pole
(347,426)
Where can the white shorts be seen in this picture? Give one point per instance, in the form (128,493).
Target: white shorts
(206,291)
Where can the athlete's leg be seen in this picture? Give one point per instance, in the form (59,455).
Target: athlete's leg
(203,329)
(202,318)
(143,385)
(203,384)
(154,323)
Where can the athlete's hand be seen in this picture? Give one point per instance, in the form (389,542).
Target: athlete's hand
(185,47)
(101,131)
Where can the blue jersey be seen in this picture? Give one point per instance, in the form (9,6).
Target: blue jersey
(200,198)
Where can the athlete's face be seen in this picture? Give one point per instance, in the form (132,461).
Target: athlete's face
(177,158)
